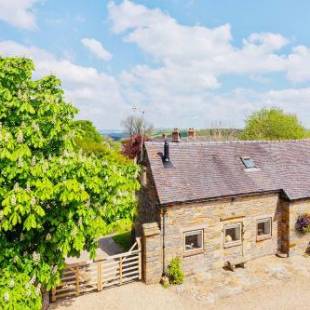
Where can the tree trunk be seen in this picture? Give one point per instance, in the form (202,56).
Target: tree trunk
(45,299)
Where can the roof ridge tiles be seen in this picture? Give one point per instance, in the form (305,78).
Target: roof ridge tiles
(186,142)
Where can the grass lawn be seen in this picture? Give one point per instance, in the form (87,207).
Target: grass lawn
(124,240)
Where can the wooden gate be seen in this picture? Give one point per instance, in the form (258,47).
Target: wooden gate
(84,277)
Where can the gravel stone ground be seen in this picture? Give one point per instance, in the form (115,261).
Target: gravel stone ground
(266,283)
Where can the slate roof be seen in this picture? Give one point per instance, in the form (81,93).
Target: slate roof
(204,170)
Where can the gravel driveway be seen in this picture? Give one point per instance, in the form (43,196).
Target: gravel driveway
(266,283)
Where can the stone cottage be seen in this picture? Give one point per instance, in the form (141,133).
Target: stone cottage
(221,203)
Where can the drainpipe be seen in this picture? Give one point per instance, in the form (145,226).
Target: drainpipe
(164,211)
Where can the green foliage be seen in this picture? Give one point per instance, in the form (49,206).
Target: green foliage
(55,198)
(18,292)
(175,272)
(124,240)
(272,124)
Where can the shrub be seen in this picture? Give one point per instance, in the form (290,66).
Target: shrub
(303,223)
(18,291)
(175,272)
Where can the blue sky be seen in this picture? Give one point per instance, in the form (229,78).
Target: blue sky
(190,63)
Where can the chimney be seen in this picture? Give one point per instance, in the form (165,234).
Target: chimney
(166,157)
(176,135)
(191,134)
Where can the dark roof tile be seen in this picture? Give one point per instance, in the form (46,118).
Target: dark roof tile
(203,170)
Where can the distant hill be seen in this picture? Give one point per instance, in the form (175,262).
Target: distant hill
(114,134)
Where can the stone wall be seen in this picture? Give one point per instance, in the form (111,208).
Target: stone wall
(148,207)
(151,253)
(212,217)
(298,242)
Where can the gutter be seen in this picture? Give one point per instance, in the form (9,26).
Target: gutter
(164,205)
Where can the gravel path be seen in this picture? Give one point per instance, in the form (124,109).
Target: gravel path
(106,247)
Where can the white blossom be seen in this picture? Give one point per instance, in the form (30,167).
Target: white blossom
(54,269)
(33,201)
(12,283)
(33,279)
(13,200)
(36,257)
(48,237)
(38,289)
(16,186)
(35,127)
(20,137)
(7,137)
(6,296)
(33,161)
(20,162)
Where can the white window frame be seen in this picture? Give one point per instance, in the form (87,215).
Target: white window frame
(193,232)
(265,236)
(232,243)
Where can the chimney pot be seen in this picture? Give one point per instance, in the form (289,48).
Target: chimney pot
(191,134)
(166,157)
(176,135)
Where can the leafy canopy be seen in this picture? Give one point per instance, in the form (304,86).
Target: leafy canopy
(272,124)
(17,291)
(54,200)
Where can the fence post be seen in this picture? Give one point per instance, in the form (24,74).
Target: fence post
(54,295)
(77,276)
(121,270)
(99,276)
(139,257)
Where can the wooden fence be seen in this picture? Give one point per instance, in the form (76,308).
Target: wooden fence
(84,277)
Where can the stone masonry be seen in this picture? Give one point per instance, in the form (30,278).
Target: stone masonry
(151,253)
(212,217)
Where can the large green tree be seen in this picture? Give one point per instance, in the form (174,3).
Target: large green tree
(55,201)
(272,124)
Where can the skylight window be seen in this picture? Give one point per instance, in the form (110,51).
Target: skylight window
(248,162)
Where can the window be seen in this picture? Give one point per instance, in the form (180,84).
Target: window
(193,240)
(248,162)
(264,229)
(232,234)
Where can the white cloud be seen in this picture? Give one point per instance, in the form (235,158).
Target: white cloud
(298,67)
(190,62)
(95,93)
(18,13)
(97,49)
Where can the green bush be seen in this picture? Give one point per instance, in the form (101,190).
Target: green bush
(175,272)
(18,291)
(124,240)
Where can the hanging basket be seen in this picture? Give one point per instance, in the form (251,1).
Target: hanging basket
(303,223)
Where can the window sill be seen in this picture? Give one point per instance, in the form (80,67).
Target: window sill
(193,252)
(263,238)
(231,245)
